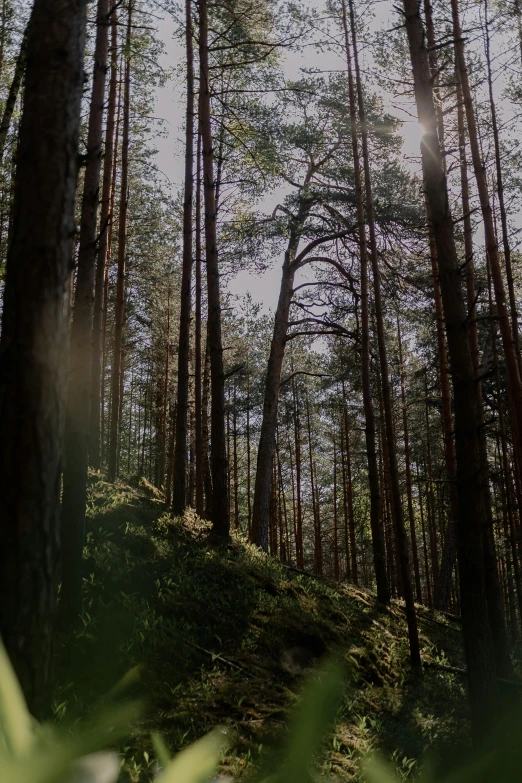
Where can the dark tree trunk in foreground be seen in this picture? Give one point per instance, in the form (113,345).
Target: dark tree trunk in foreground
(493,592)
(180,453)
(34,338)
(220,518)
(472,514)
(117,365)
(77,419)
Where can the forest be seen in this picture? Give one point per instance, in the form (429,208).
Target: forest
(260,390)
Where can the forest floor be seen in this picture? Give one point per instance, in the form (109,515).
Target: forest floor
(225,634)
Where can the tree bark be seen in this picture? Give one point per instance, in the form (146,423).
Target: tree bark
(396,501)
(318,550)
(407,460)
(299,549)
(197,340)
(349,501)
(493,592)
(207,475)
(116,370)
(170,458)
(3,29)
(430,500)
(472,517)
(35,325)
(376,524)
(508,339)
(77,417)
(220,518)
(12,96)
(500,193)
(166,400)
(335,518)
(106,218)
(266,448)
(179,499)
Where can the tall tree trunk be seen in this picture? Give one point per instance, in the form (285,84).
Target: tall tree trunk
(236,475)
(76,442)
(496,612)
(12,96)
(35,325)
(106,217)
(299,550)
(179,499)
(105,417)
(500,192)
(407,459)
(509,504)
(170,457)
(443,575)
(129,437)
(266,448)
(335,518)
(166,400)
(285,551)
(497,618)
(472,515)
(518,15)
(424,542)
(197,341)
(318,552)
(3,30)
(349,499)
(376,523)
(430,499)
(229,460)
(395,492)
(191,462)
(508,339)
(207,476)
(116,370)
(158,419)
(220,518)
(249,458)
(294,505)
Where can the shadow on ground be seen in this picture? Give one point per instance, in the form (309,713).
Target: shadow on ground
(224,635)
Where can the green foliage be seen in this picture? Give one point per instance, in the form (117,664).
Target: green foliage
(30,753)
(225,635)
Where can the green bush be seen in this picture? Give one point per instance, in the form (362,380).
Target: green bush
(34,753)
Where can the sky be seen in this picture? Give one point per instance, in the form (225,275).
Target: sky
(170,107)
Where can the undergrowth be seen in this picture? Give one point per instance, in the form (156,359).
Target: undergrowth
(223,635)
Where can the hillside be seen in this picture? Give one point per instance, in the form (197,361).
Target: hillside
(224,634)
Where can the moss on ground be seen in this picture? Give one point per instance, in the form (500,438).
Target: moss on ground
(225,634)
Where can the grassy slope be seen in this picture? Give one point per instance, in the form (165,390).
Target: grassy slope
(224,635)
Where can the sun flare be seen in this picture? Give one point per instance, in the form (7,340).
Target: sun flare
(412,132)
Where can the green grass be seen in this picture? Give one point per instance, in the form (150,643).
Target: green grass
(224,636)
